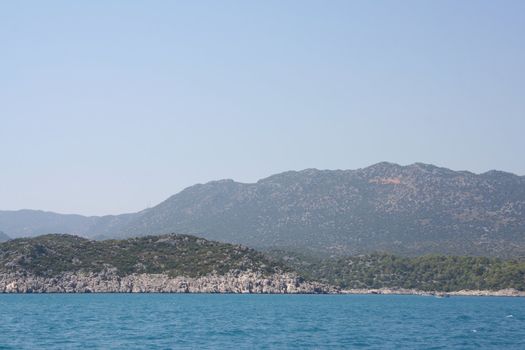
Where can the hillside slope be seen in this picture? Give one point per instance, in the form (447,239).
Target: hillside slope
(175,255)
(160,264)
(407,210)
(427,273)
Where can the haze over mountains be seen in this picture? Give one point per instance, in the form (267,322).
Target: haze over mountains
(411,210)
(3,237)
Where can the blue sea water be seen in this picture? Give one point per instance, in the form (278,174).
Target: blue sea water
(211,321)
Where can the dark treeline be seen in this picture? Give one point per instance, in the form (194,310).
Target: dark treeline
(429,272)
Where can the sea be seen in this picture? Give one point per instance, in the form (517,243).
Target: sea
(222,321)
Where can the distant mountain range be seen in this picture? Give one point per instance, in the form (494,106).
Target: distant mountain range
(409,210)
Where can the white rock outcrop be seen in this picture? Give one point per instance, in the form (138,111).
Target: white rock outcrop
(109,282)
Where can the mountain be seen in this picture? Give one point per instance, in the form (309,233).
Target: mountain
(412,209)
(30,223)
(4,237)
(407,210)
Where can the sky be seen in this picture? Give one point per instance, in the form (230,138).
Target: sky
(112,106)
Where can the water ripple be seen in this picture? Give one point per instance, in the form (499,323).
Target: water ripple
(160,321)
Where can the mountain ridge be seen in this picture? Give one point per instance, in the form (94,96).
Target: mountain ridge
(413,209)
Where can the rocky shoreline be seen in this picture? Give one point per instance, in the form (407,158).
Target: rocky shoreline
(401,291)
(107,282)
(231,283)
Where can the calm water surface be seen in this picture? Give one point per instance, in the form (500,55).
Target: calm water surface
(161,321)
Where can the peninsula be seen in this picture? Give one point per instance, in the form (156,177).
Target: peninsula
(166,263)
(172,263)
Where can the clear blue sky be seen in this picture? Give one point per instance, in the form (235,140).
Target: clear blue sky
(112,106)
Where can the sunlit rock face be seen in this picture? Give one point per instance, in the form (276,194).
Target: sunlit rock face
(244,282)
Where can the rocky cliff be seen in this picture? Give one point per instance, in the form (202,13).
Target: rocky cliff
(245,282)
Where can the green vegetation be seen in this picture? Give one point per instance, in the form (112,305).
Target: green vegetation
(177,255)
(182,255)
(429,272)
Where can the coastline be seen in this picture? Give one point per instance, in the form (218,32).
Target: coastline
(231,283)
(108,282)
(509,292)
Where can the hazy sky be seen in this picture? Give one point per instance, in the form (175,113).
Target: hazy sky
(112,106)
